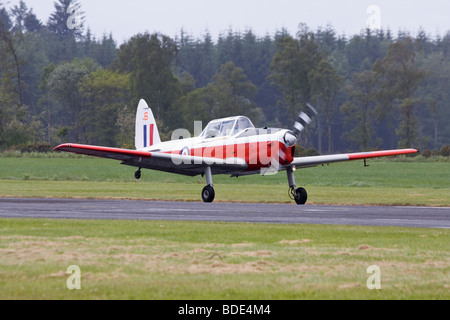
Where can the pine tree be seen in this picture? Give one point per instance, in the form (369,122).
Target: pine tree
(32,23)
(20,13)
(65,27)
(68,20)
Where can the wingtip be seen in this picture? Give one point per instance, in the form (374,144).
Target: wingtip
(61,146)
(57,148)
(411,150)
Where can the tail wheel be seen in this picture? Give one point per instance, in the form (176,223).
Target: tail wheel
(208,194)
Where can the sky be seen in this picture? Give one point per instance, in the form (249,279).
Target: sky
(125,19)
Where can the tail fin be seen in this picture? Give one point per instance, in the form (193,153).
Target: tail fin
(147,133)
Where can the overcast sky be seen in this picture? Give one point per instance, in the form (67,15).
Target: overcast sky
(125,19)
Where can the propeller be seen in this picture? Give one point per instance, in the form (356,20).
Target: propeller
(303,120)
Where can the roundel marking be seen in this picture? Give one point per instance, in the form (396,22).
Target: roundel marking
(185,152)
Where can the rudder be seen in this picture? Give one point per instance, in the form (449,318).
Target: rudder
(147,133)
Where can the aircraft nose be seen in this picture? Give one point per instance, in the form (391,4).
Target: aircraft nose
(290,139)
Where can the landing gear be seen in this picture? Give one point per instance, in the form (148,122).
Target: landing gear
(298,194)
(138,174)
(208,193)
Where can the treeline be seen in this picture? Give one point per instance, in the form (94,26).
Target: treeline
(372,90)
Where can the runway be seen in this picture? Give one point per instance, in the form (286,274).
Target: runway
(419,217)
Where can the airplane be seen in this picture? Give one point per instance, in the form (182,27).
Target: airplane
(232,146)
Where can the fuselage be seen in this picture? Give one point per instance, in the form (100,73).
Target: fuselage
(259,148)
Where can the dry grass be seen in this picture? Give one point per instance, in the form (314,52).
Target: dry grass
(150,260)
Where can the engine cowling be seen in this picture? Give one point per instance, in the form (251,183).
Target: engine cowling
(290,139)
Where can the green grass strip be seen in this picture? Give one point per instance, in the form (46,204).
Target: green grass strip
(201,260)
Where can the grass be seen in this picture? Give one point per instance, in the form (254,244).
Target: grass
(201,260)
(222,261)
(383,183)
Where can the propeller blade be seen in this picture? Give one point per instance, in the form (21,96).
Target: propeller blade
(303,119)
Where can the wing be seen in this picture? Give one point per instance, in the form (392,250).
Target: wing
(174,163)
(306,162)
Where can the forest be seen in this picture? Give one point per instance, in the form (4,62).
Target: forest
(373,90)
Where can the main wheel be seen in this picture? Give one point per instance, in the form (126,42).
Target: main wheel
(137,174)
(301,196)
(208,194)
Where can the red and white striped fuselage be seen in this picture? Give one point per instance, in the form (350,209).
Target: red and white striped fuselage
(259,148)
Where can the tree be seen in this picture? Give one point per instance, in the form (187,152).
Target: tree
(359,111)
(105,52)
(408,129)
(230,93)
(292,64)
(229,48)
(436,98)
(292,67)
(20,13)
(10,61)
(325,85)
(64,86)
(326,39)
(47,102)
(234,92)
(31,49)
(197,58)
(126,121)
(32,23)
(150,61)
(5,19)
(197,105)
(17,124)
(105,94)
(399,79)
(65,27)
(67,22)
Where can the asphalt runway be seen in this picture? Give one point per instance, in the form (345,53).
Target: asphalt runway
(419,217)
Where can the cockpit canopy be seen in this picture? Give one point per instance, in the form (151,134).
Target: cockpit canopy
(226,127)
